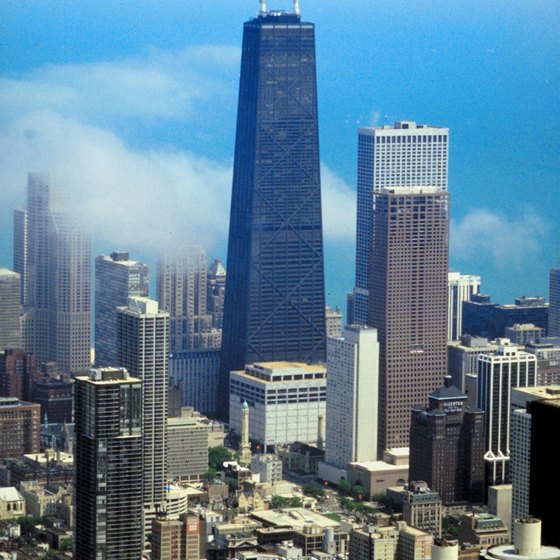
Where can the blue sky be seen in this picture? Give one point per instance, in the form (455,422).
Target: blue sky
(131,107)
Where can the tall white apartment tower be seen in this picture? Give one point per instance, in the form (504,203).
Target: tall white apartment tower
(554,309)
(498,374)
(403,155)
(143,348)
(460,288)
(352,396)
(117,277)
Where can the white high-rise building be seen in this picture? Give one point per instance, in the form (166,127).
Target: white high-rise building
(498,374)
(404,155)
(117,277)
(460,288)
(10,334)
(352,396)
(55,256)
(143,349)
(554,309)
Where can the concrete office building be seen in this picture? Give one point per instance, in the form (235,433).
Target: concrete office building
(408,301)
(460,288)
(422,508)
(10,295)
(197,374)
(286,400)
(497,375)
(19,427)
(333,322)
(554,298)
(274,307)
(143,349)
(188,438)
(404,155)
(181,291)
(547,352)
(108,466)
(523,334)
(462,356)
(57,256)
(117,277)
(352,395)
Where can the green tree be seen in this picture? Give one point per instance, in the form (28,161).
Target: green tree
(209,475)
(217,456)
(66,545)
(379,497)
(359,491)
(27,522)
(314,490)
(283,502)
(344,486)
(232,482)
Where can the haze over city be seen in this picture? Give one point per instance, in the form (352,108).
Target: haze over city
(131,108)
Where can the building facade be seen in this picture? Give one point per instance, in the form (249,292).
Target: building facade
(554,299)
(285,399)
(408,299)
(181,291)
(404,155)
(216,292)
(422,508)
(143,349)
(352,395)
(460,288)
(497,375)
(117,277)
(10,295)
(275,305)
(57,284)
(447,446)
(20,424)
(108,456)
(18,371)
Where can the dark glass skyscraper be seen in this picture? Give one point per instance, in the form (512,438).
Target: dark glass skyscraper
(274,303)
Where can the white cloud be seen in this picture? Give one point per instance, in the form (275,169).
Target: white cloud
(339,208)
(507,241)
(162,84)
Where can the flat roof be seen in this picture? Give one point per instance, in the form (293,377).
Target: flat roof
(297,518)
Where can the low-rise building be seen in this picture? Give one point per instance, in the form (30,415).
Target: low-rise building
(12,503)
(422,508)
(484,529)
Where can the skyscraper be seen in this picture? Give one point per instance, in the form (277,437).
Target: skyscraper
(554,298)
(56,257)
(460,287)
(181,291)
(509,367)
(404,155)
(274,304)
(108,458)
(447,446)
(20,249)
(215,293)
(10,289)
(352,395)
(143,348)
(408,301)
(117,278)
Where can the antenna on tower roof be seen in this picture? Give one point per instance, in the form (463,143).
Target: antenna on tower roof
(263,6)
(296,7)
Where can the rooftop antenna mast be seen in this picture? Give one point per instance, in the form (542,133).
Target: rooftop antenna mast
(296,7)
(263,7)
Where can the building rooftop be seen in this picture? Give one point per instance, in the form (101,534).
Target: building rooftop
(297,518)
(10,494)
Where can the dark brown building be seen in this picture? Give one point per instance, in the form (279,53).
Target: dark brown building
(18,369)
(447,446)
(408,302)
(19,427)
(56,399)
